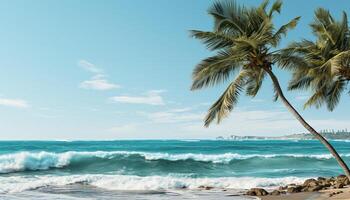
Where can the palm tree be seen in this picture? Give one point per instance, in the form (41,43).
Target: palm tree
(242,40)
(327,72)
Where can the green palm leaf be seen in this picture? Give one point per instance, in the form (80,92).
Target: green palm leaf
(242,38)
(227,100)
(326,60)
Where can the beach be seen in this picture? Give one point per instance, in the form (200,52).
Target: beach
(322,195)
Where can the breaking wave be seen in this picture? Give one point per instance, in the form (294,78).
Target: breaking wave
(124,182)
(30,161)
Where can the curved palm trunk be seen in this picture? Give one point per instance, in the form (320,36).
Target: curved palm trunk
(306,125)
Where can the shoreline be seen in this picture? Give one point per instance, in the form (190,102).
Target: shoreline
(312,189)
(336,194)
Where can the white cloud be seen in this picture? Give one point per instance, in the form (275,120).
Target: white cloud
(242,121)
(18,103)
(98,84)
(174,117)
(151,98)
(89,66)
(250,122)
(98,81)
(181,110)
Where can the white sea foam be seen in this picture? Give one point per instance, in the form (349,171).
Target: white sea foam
(44,160)
(341,140)
(123,182)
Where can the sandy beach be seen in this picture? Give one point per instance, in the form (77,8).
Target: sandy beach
(340,194)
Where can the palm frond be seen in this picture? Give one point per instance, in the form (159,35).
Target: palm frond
(300,82)
(214,70)
(322,23)
(242,39)
(282,31)
(254,82)
(228,16)
(264,5)
(317,99)
(276,7)
(288,60)
(222,107)
(334,93)
(339,62)
(213,40)
(326,60)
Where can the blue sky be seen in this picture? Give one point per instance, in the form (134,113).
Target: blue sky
(122,70)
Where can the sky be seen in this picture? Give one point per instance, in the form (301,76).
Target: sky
(122,70)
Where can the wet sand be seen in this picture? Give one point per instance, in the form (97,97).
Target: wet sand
(294,196)
(322,195)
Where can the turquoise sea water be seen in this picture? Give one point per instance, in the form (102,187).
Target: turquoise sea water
(163,169)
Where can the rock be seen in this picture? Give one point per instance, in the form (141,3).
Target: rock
(310,182)
(282,188)
(341,176)
(257,192)
(294,189)
(347,181)
(324,183)
(331,181)
(314,188)
(275,192)
(321,179)
(342,179)
(339,185)
(205,187)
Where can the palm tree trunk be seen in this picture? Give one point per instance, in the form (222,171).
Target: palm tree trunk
(306,125)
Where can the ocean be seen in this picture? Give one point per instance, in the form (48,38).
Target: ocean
(158,169)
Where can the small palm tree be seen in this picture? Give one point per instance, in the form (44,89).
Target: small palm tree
(327,72)
(242,40)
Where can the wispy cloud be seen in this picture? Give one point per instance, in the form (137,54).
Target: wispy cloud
(18,103)
(250,122)
(188,123)
(152,97)
(89,66)
(98,81)
(173,117)
(181,110)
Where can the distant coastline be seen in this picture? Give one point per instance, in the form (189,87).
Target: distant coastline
(328,134)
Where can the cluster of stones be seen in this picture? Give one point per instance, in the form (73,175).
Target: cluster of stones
(310,185)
